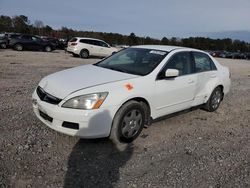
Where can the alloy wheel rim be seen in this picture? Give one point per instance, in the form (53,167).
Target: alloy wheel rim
(48,49)
(216,99)
(131,123)
(19,47)
(84,54)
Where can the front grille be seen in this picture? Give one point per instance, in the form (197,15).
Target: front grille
(45,116)
(47,97)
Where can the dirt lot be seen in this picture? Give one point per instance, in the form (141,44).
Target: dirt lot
(194,149)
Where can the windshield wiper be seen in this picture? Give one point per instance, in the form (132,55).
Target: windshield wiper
(114,68)
(117,69)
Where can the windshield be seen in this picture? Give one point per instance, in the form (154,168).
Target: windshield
(137,61)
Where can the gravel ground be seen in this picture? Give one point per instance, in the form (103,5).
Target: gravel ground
(193,149)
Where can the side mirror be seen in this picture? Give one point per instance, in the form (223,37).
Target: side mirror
(171,73)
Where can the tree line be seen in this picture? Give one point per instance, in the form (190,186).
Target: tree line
(21,24)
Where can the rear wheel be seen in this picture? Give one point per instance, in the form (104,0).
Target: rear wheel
(3,45)
(84,54)
(48,49)
(128,122)
(18,47)
(214,101)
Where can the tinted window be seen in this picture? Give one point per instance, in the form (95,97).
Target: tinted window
(87,41)
(36,39)
(203,62)
(182,62)
(13,36)
(96,42)
(26,37)
(103,44)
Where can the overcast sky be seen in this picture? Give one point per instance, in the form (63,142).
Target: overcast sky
(154,18)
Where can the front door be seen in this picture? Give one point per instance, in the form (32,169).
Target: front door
(175,94)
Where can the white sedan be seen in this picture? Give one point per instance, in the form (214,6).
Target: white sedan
(121,94)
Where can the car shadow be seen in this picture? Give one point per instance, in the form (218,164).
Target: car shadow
(96,162)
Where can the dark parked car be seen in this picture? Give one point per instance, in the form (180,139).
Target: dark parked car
(58,43)
(247,55)
(31,42)
(3,41)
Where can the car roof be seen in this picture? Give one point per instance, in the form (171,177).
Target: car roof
(163,47)
(87,38)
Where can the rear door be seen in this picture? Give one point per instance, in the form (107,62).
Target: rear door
(27,42)
(206,74)
(37,43)
(175,94)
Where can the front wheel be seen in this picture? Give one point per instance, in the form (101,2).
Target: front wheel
(214,101)
(3,45)
(128,122)
(84,54)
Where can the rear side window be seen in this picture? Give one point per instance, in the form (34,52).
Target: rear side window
(13,36)
(73,40)
(203,62)
(182,62)
(26,37)
(87,41)
(96,42)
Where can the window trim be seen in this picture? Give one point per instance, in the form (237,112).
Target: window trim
(209,58)
(191,60)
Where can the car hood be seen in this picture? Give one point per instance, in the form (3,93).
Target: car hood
(65,82)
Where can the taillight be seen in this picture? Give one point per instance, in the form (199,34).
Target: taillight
(73,43)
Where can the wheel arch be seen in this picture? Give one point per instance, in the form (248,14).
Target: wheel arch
(222,89)
(211,91)
(140,100)
(144,102)
(84,49)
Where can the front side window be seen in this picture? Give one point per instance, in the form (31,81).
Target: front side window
(103,44)
(182,62)
(134,61)
(36,39)
(203,62)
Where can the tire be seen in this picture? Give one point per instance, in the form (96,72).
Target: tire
(18,47)
(3,45)
(47,49)
(128,122)
(84,54)
(214,101)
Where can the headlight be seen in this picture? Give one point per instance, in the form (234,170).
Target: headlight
(86,102)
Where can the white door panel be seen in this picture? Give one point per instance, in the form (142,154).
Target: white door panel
(174,94)
(204,82)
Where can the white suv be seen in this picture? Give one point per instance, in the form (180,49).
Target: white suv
(121,94)
(85,47)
